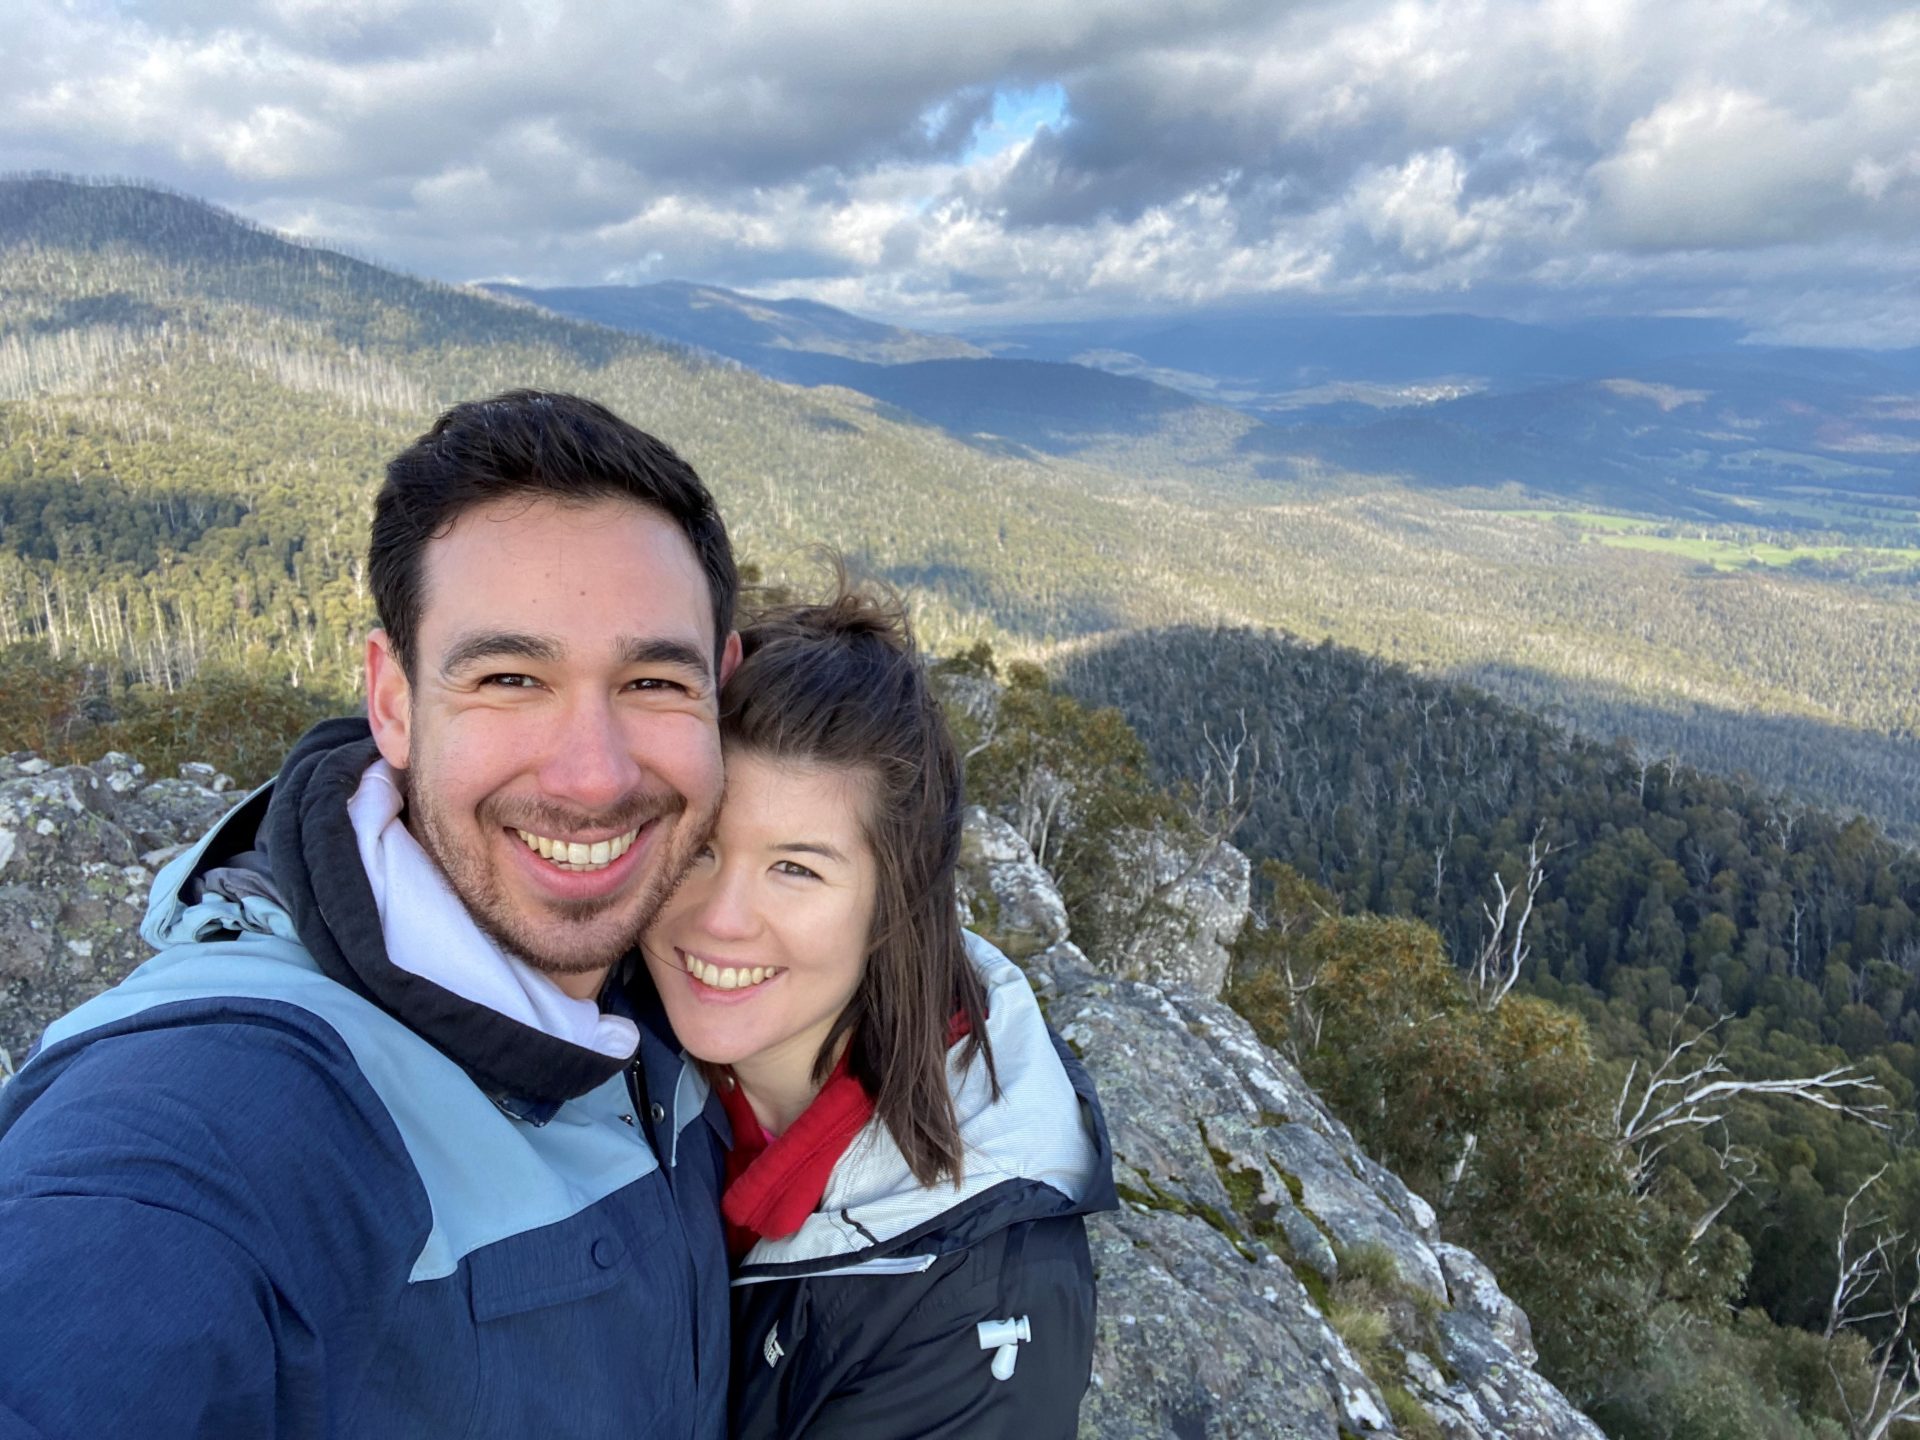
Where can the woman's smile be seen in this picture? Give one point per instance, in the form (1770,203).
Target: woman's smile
(725,976)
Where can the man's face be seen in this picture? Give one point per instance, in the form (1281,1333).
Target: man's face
(558,735)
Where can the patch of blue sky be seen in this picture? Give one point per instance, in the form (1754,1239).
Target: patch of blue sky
(1017,115)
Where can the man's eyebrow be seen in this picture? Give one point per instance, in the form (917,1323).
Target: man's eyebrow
(811,847)
(659,650)
(500,644)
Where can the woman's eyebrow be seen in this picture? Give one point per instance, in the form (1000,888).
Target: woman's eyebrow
(811,847)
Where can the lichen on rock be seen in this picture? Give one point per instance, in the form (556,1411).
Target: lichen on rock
(77,853)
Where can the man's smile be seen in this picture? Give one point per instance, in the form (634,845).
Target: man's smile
(579,855)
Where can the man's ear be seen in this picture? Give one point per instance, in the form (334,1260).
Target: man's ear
(389,701)
(730,656)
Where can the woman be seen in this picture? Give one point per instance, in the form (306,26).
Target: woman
(913,1150)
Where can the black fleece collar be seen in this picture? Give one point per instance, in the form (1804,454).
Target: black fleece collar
(315,859)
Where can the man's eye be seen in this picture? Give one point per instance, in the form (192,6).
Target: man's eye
(511,682)
(660,683)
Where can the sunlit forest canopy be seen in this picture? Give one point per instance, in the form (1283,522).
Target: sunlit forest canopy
(194,412)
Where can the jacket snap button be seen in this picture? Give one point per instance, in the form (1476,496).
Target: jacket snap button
(603,1253)
(656,1112)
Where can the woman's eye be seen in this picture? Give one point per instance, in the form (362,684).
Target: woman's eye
(791,867)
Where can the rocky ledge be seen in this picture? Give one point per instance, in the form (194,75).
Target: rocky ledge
(79,845)
(1263,1277)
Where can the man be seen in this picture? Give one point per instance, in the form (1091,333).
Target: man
(377,1145)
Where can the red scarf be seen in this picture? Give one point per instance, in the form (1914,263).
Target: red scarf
(774,1185)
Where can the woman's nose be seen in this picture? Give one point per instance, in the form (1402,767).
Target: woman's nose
(728,910)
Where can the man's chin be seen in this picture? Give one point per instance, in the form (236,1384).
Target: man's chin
(577,947)
(568,936)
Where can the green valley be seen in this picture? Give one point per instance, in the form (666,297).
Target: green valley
(193,413)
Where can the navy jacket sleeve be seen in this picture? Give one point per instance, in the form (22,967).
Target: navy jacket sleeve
(928,1379)
(184,1213)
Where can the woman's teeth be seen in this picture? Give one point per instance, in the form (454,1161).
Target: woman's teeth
(572,855)
(725,977)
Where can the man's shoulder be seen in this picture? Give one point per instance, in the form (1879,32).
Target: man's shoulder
(221,1039)
(267,988)
(200,1073)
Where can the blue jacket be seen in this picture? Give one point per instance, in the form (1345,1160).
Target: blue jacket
(865,1323)
(273,1185)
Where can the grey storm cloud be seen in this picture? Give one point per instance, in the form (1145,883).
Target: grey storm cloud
(1037,156)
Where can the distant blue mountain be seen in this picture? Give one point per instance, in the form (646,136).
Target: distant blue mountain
(1278,353)
(1051,407)
(1672,416)
(760,333)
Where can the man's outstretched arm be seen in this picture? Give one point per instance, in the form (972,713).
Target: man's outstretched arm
(194,1222)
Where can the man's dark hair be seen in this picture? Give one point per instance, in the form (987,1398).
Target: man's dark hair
(536,445)
(840,685)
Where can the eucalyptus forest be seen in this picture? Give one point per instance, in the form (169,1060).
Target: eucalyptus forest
(1550,836)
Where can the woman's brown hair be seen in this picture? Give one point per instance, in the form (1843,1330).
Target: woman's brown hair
(840,684)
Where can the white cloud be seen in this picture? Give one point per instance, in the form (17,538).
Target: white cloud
(1736,155)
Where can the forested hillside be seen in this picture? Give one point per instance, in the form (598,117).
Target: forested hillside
(1671,1192)
(193,415)
(1661,903)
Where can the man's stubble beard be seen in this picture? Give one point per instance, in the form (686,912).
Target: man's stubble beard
(477,883)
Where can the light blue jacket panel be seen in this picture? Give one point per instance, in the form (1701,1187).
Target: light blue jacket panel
(237,1198)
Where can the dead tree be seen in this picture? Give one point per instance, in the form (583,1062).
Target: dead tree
(1877,1284)
(1737,1167)
(1229,766)
(1496,969)
(1691,1089)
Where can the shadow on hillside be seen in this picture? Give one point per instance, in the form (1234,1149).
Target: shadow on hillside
(1055,408)
(80,312)
(1185,679)
(973,591)
(104,519)
(1832,765)
(1427,451)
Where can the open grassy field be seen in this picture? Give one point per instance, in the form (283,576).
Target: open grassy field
(1734,555)
(1736,548)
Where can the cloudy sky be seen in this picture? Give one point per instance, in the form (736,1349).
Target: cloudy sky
(1004,158)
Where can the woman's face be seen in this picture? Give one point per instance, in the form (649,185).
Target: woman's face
(762,946)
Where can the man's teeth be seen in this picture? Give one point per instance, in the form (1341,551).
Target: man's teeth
(572,855)
(726,977)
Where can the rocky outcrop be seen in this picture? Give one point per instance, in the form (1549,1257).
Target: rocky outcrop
(1187,906)
(78,848)
(1263,1276)
(1193,901)
(1003,891)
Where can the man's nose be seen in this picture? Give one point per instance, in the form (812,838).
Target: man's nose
(590,762)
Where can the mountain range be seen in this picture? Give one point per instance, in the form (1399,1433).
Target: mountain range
(1668,417)
(194,412)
